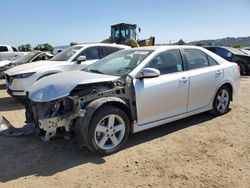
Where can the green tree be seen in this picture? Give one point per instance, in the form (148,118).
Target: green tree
(238,46)
(73,44)
(25,48)
(44,47)
(181,42)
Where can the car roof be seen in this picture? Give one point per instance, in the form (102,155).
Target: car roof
(167,47)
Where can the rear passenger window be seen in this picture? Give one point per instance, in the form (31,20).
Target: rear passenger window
(105,51)
(196,59)
(212,62)
(167,62)
(3,49)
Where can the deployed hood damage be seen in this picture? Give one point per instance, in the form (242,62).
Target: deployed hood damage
(45,90)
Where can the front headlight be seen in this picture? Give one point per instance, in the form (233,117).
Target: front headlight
(25,75)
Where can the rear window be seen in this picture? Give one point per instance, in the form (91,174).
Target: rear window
(3,49)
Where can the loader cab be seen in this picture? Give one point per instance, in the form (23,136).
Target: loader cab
(123,32)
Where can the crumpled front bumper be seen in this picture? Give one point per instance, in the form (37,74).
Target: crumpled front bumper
(50,125)
(6,129)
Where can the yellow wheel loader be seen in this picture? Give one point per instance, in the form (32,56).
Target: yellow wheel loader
(124,33)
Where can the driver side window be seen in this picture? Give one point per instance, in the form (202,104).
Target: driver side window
(167,62)
(90,53)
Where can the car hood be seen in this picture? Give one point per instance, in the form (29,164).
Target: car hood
(60,85)
(4,63)
(31,67)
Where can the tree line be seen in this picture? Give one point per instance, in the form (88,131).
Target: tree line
(40,47)
(48,48)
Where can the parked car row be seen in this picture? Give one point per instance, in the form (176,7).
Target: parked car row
(8,52)
(20,79)
(28,58)
(239,56)
(99,102)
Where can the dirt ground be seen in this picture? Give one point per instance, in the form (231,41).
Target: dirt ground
(199,151)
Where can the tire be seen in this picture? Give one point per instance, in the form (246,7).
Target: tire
(221,101)
(242,68)
(108,130)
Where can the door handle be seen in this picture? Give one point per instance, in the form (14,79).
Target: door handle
(183,80)
(218,72)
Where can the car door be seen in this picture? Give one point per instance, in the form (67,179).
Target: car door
(205,76)
(164,96)
(92,55)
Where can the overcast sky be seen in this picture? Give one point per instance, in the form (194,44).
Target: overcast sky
(60,22)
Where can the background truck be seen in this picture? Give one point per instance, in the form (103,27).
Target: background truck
(8,52)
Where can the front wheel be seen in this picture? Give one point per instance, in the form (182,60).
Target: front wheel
(221,101)
(108,130)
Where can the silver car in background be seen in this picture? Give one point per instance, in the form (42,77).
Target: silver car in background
(130,91)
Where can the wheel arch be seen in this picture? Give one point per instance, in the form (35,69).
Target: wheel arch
(81,124)
(230,87)
(48,74)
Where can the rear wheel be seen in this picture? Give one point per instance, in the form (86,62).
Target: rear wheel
(221,101)
(108,130)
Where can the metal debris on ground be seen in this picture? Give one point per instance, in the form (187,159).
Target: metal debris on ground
(6,129)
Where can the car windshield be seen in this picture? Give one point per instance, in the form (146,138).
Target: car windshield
(235,51)
(14,58)
(120,63)
(26,58)
(66,54)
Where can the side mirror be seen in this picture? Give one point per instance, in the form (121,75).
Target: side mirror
(80,59)
(149,73)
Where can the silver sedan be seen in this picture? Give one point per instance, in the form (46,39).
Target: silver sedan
(130,91)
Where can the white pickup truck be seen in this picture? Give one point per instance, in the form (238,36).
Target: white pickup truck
(7,52)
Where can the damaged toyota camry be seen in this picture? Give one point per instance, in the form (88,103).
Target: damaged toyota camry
(130,91)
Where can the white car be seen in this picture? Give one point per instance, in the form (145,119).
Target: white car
(8,52)
(130,91)
(19,79)
(28,58)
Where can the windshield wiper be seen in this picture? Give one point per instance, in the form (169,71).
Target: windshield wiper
(95,71)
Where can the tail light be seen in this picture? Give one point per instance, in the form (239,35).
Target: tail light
(238,68)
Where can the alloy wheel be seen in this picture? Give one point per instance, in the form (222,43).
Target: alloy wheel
(109,132)
(222,100)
